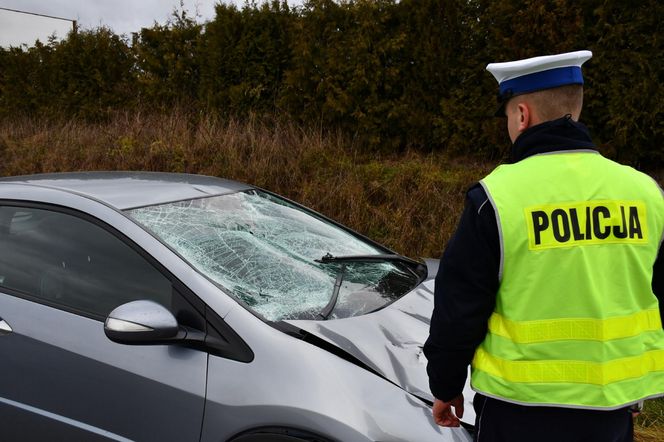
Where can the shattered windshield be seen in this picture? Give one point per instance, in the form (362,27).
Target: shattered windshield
(263,250)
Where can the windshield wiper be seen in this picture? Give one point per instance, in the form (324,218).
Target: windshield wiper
(335,294)
(420,269)
(367,258)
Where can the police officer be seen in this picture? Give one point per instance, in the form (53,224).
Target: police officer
(551,287)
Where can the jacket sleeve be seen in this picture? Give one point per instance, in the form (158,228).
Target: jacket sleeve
(464,296)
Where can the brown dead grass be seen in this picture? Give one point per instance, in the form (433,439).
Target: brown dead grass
(651,434)
(409,202)
(649,426)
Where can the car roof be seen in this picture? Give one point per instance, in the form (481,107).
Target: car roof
(127,190)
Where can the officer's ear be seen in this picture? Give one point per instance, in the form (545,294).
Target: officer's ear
(519,117)
(524,116)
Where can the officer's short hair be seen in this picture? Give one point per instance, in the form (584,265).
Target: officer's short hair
(549,104)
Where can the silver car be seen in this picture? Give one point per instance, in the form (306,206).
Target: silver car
(156,307)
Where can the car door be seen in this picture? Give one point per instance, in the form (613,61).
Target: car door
(61,378)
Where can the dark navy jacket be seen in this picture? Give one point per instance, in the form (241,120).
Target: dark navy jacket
(467,280)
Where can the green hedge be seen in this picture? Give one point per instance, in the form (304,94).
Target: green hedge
(394,74)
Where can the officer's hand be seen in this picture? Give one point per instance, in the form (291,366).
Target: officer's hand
(442,411)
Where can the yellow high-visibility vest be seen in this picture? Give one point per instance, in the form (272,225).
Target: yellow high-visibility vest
(576,322)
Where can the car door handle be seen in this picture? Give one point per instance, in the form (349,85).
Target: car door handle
(5,329)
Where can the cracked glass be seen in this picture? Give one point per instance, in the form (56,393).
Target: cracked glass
(263,250)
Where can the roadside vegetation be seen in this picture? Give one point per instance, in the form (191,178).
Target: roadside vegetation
(394,75)
(408,201)
(649,426)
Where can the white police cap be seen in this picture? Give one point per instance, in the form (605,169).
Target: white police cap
(537,73)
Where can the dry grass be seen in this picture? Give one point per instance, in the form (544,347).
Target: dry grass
(409,202)
(651,434)
(650,424)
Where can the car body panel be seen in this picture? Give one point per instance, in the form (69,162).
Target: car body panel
(296,384)
(390,340)
(124,190)
(60,369)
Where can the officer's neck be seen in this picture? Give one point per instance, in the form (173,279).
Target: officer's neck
(551,136)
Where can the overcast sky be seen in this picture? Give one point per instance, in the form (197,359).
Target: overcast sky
(122,16)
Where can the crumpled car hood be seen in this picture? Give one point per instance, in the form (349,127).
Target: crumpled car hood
(390,340)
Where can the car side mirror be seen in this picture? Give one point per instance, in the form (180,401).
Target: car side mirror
(142,322)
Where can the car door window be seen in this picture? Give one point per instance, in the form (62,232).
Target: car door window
(72,263)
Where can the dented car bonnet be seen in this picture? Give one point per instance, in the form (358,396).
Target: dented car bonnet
(390,340)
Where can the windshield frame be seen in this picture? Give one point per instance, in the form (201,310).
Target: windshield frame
(228,292)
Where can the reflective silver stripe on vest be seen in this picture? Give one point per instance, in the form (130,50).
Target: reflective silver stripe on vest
(661,239)
(500,229)
(546,404)
(556,152)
